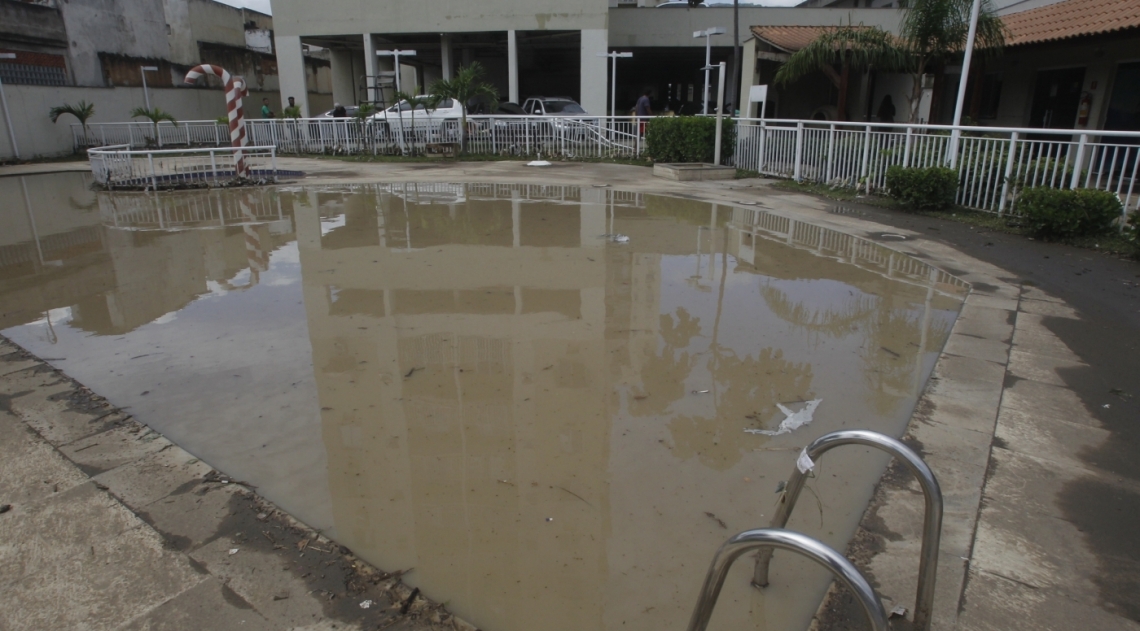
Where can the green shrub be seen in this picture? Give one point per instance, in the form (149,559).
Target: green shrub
(1132,231)
(926,189)
(1054,213)
(688,139)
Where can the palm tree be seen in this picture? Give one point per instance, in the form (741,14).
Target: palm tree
(155,116)
(414,101)
(839,51)
(466,85)
(935,31)
(82,111)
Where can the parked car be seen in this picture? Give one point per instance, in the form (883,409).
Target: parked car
(553,106)
(444,118)
(349,110)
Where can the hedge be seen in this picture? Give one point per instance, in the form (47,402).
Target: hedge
(688,139)
(923,189)
(1053,213)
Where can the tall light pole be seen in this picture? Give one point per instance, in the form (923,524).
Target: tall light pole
(707,34)
(7,118)
(719,110)
(396,54)
(956,134)
(143,70)
(613,78)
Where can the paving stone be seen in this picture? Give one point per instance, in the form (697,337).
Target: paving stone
(985,322)
(208,605)
(967,346)
(24,382)
(46,534)
(258,577)
(113,448)
(190,518)
(49,410)
(993,603)
(1048,308)
(31,469)
(1041,341)
(953,367)
(1041,368)
(1042,399)
(1036,293)
(154,477)
(992,302)
(1047,438)
(100,585)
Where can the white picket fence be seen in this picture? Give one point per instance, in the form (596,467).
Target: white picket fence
(993,163)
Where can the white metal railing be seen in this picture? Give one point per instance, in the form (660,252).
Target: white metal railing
(993,163)
(122,166)
(579,137)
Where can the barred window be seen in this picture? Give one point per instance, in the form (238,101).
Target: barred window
(26,74)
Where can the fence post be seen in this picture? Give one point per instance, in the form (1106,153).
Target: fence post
(953,148)
(1079,161)
(527,131)
(103,134)
(1008,172)
(830,151)
(760,159)
(797,168)
(273,158)
(863,168)
(906,147)
(153,179)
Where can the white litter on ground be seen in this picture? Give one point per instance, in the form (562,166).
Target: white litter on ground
(538,163)
(794,420)
(366,604)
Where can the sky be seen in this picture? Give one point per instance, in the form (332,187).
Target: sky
(263,5)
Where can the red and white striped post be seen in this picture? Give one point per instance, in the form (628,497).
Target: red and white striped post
(235,89)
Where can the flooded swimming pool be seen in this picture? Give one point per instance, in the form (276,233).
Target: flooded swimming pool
(536,397)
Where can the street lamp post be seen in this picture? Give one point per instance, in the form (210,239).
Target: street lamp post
(146,95)
(395,55)
(719,110)
(707,34)
(613,78)
(7,118)
(956,134)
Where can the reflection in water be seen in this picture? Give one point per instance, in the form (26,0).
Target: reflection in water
(471,381)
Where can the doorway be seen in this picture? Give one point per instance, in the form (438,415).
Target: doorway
(1057,98)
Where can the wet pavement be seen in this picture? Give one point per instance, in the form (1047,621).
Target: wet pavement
(535,396)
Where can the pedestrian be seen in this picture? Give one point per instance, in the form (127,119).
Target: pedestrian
(265,111)
(887,110)
(643,110)
(339,111)
(291,103)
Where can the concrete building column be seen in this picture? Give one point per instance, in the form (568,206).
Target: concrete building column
(445,55)
(512,67)
(343,77)
(594,75)
(371,67)
(291,72)
(747,78)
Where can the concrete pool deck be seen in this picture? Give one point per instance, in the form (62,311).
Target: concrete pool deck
(997,424)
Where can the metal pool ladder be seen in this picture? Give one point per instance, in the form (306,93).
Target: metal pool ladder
(769,539)
(932,522)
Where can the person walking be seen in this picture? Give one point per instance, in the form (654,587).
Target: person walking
(643,110)
(887,110)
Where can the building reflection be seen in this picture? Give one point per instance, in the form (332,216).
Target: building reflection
(535,418)
(121,261)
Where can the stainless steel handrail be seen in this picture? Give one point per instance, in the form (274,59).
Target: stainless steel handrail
(932,523)
(769,539)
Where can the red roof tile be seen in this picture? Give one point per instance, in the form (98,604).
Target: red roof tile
(1072,18)
(789,38)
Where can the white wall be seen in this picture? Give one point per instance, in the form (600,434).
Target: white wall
(37,136)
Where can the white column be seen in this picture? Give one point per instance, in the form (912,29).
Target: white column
(343,79)
(291,72)
(512,67)
(445,54)
(371,66)
(747,76)
(593,86)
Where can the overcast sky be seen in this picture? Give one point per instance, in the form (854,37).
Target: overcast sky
(263,5)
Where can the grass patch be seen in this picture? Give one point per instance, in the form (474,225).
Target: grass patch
(1113,243)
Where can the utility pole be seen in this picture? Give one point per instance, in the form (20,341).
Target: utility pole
(613,78)
(146,95)
(736,81)
(707,34)
(956,134)
(7,118)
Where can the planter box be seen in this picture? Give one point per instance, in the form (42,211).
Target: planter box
(695,171)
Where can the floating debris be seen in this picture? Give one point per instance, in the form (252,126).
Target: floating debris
(367,604)
(793,420)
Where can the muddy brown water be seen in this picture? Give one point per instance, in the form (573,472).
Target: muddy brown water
(535,396)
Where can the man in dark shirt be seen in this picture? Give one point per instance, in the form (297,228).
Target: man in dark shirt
(643,109)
